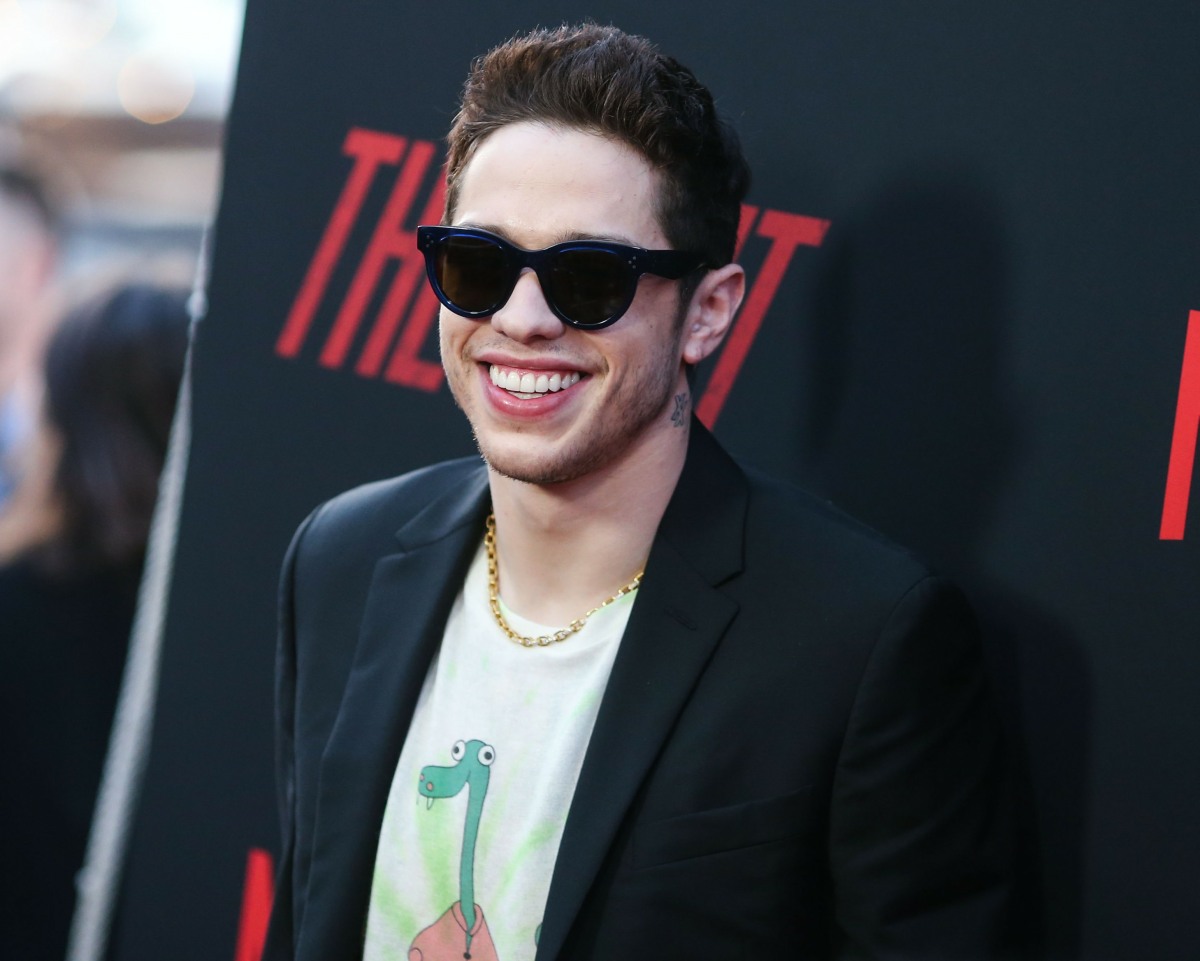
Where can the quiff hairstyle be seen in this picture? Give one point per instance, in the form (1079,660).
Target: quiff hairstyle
(602,80)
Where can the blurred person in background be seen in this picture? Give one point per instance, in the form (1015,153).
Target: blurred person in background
(28,253)
(72,541)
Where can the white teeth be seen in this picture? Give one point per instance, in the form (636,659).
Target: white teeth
(529,385)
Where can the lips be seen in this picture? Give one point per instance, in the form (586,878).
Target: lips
(526,383)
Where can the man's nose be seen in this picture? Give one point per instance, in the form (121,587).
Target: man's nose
(526,316)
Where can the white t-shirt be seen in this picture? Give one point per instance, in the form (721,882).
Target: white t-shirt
(480,795)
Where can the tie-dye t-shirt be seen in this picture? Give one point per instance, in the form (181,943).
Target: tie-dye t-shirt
(485,778)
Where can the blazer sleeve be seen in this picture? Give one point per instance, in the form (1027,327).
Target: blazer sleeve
(279,944)
(920,835)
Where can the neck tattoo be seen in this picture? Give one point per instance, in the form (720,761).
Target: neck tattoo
(543,640)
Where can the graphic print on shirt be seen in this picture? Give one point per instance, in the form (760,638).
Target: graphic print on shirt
(462,931)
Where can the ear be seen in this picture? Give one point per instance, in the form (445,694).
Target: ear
(711,311)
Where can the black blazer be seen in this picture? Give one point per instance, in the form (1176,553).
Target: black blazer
(795,756)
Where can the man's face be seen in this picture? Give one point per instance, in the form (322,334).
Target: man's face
(535,186)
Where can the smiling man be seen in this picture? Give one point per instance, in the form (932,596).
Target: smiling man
(604,694)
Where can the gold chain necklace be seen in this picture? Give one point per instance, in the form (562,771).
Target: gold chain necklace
(543,640)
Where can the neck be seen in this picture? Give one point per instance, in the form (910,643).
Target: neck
(466,868)
(564,548)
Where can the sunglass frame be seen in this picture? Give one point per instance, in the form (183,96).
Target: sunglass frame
(635,261)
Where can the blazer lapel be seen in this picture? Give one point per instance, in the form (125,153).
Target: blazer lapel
(675,626)
(409,600)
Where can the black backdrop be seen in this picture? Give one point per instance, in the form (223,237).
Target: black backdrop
(981,356)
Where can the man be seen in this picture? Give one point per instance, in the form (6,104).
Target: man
(607,695)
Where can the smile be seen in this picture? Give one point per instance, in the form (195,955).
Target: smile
(527,384)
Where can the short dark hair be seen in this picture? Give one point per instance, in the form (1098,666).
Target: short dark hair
(620,86)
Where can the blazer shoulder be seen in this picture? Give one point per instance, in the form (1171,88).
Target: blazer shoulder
(791,521)
(366,519)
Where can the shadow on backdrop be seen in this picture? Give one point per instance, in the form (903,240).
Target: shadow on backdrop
(912,427)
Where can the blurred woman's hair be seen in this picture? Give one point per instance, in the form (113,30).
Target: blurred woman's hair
(112,371)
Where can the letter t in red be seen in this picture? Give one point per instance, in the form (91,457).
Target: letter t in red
(370,150)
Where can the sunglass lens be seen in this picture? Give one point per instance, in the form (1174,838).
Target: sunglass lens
(472,272)
(589,286)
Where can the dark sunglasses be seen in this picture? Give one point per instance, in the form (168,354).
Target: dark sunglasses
(588,284)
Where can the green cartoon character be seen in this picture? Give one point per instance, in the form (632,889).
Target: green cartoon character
(462,931)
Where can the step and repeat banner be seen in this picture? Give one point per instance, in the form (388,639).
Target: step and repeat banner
(973,247)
